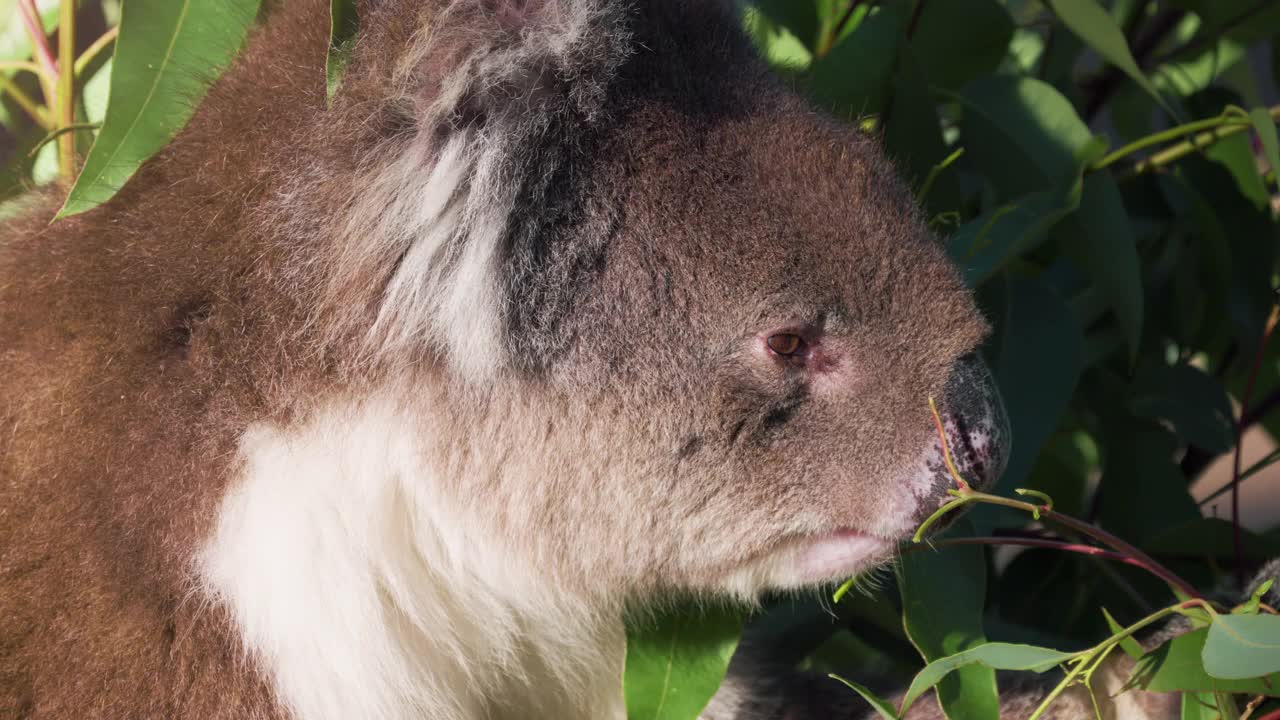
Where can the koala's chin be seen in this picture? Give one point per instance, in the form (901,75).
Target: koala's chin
(977,445)
(389,407)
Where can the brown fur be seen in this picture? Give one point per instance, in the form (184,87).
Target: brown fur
(140,340)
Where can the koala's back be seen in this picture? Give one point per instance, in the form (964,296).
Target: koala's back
(116,428)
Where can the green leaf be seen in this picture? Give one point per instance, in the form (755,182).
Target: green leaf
(984,245)
(1198,706)
(1266,129)
(1179,666)
(882,707)
(344,24)
(1095,26)
(1128,645)
(1211,538)
(1103,242)
(1193,401)
(913,135)
(779,46)
(943,595)
(1150,490)
(676,660)
(167,55)
(1023,135)
(799,17)
(950,58)
(852,79)
(1037,367)
(1001,656)
(1243,646)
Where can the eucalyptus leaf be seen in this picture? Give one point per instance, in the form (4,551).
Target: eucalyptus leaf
(882,707)
(344,25)
(1095,26)
(676,660)
(1001,656)
(852,80)
(1103,241)
(1022,133)
(943,595)
(1243,646)
(1180,665)
(1037,368)
(168,54)
(948,58)
(1265,127)
(1193,401)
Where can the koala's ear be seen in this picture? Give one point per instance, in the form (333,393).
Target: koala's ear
(501,93)
(520,61)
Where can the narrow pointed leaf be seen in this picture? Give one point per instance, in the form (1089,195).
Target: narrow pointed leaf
(1090,22)
(882,707)
(1266,129)
(344,24)
(168,54)
(1242,646)
(676,660)
(1001,656)
(943,595)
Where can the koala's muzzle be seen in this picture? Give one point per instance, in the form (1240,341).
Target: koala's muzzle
(976,425)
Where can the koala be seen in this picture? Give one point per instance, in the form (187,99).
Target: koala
(391,406)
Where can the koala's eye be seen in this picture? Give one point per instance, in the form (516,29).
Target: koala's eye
(786,344)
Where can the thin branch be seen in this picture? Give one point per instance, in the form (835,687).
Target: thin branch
(1097,533)
(1172,133)
(103,42)
(21,66)
(1180,150)
(26,102)
(67,89)
(1077,548)
(54,135)
(39,43)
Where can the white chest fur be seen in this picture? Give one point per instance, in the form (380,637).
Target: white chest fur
(364,593)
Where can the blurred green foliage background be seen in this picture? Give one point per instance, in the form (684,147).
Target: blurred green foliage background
(1104,173)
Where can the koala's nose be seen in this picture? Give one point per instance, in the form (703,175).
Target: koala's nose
(976,424)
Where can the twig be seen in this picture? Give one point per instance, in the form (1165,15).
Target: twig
(39,43)
(1180,150)
(55,134)
(20,66)
(104,40)
(1174,133)
(26,102)
(67,89)
(1238,542)
(965,495)
(829,39)
(1078,548)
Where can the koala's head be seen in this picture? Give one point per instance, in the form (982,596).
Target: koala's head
(691,325)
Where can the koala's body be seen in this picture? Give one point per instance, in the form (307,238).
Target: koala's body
(390,409)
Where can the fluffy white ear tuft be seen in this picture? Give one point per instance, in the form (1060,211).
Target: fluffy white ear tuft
(500,92)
